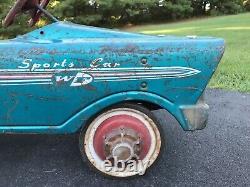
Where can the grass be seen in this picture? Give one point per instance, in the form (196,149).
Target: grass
(234,70)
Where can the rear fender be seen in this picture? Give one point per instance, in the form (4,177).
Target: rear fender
(79,120)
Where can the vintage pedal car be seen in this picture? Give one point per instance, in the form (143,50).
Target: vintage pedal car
(66,78)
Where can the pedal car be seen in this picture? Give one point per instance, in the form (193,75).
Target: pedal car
(67,78)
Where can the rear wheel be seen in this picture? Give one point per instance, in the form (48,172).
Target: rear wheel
(123,141)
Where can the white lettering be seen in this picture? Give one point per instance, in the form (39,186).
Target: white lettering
(56,64)
(82,79)
(35,66)
(142,167)
(96,63)
(107,165)
(26,64)
(64,63)
(132,166)
(46,65)
(71,65)
(64,78)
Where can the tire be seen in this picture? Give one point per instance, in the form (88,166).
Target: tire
(126,132)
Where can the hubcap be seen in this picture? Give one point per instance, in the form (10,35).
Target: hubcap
(123,151)
(122,144)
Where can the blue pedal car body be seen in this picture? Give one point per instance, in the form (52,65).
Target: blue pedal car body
(56,78)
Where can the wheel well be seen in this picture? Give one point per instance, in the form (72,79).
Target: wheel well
(148,105)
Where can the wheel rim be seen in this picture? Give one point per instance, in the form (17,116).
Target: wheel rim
(122,134)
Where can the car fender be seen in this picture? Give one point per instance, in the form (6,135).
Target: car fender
(79,120)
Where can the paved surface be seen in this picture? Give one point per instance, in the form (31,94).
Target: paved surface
(216,156)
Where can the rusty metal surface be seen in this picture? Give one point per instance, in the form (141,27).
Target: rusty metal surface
(197,115)
(53,79)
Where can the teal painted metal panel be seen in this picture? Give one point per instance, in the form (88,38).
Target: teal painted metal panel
(53,79)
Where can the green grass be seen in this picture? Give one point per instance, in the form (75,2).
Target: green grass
(234,70)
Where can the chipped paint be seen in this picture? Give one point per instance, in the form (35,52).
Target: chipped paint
(71,72)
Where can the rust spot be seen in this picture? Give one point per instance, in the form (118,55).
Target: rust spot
(89,87)
(130,49)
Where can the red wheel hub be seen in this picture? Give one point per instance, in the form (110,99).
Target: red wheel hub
(122,135)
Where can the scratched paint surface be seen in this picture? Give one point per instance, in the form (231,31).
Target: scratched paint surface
(48,77)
